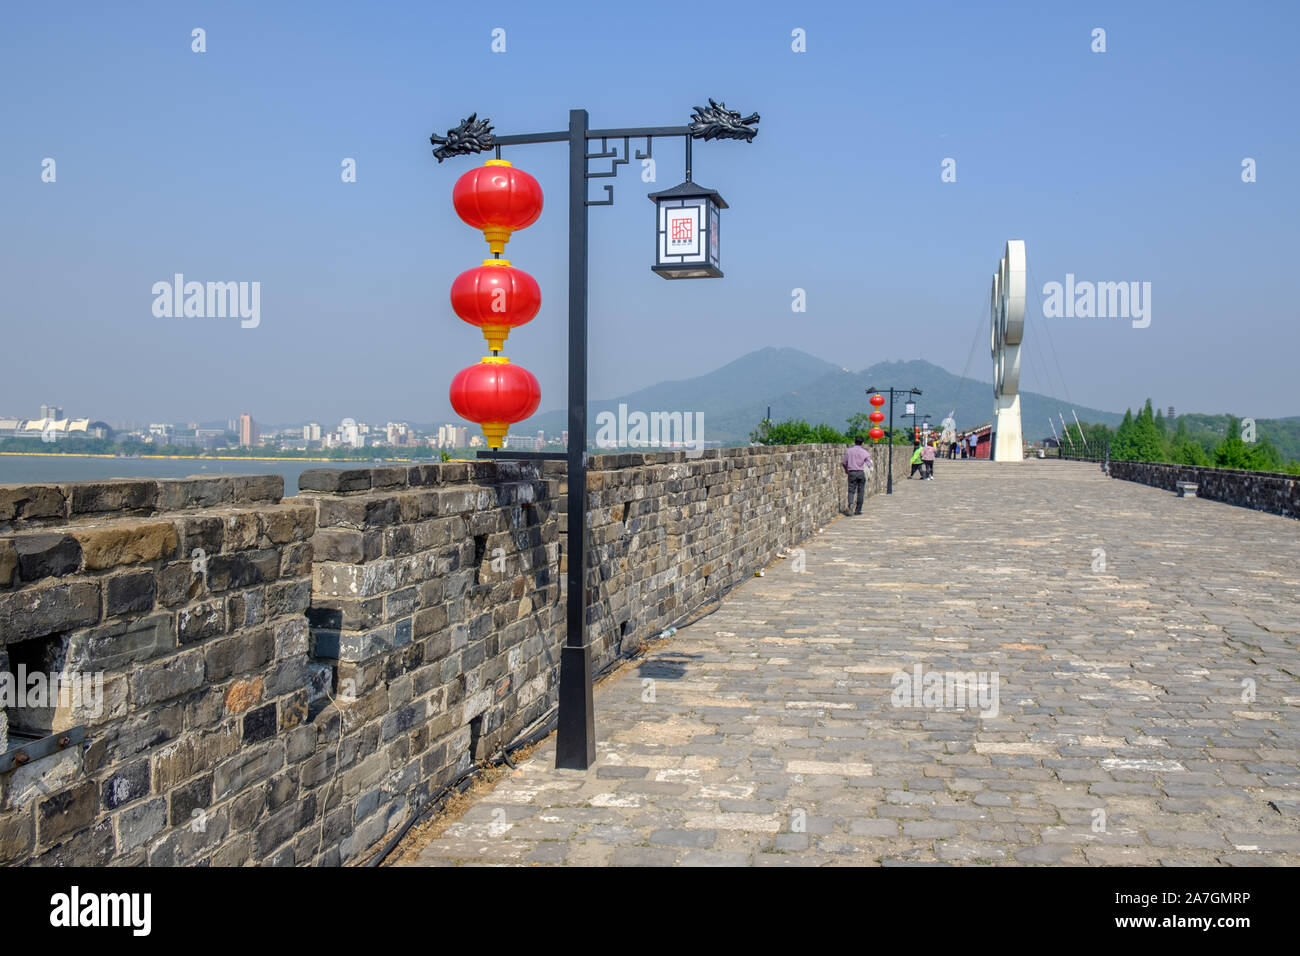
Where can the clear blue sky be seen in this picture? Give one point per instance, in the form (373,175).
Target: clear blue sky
(226,166)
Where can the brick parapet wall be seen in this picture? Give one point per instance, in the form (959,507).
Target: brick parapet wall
(191,620)
(338,658)
(1262,491)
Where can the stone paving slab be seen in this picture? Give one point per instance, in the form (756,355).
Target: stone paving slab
(1146,651)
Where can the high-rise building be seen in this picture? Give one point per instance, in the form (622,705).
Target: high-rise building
(311,431)
(52,411)
(247,431)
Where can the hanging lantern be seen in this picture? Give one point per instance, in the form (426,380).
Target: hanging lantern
(498,199)
(877,400)
(686,232)
(876,433)
(496,297)
(877,416)
(495,394)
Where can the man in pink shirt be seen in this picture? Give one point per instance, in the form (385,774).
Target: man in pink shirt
(857,462)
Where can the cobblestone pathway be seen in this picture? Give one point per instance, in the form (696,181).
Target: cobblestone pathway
(1148,710)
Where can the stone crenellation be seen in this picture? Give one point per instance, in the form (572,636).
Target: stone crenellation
(283,681)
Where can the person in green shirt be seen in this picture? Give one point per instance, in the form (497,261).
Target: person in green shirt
(916,458)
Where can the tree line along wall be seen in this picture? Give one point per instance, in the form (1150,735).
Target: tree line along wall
(1262,491)
(284,680)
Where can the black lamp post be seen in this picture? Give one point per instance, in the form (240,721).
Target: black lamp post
(889,476)
(695,254)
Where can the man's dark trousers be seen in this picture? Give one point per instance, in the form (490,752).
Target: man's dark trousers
(858,483)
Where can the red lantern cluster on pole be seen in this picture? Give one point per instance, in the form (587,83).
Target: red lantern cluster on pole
(877,417)
(496,297)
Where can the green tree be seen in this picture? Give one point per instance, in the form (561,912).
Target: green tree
(859,424)
(1232,452)
(1122,445)
(1147,442)
(1186,450)
(795,432)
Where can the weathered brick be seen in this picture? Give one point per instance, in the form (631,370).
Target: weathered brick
(126,785)
(189,797)
(248,766)
(130,593)
(48,608)
(46,555)
(243,694)
(334,480)
(162,680)
(31,503)
(198,622)
(196,491)
(8,562)
(126,542)
(120,496)
(258,489)
(259,724)
(113,646)
(137,825)
(239,653)
(66,812)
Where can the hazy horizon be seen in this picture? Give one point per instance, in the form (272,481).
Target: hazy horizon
(225,166)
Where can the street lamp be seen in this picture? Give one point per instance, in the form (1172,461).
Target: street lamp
(575,733)
(889,476)
(686,244)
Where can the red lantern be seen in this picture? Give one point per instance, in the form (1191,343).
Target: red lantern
(877,416)
(495,394)
(496,297)
(876,433)
(877,400)
(498,199)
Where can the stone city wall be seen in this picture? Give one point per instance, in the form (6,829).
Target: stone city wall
(1263,491)
(283,681)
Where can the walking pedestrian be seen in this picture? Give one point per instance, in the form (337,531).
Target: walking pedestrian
(927,457)
(857,462)
(916,459)
(973,442)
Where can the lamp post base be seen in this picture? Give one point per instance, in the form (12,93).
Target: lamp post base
(575,742)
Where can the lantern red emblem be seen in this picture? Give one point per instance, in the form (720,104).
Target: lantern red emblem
(877,400)
(876,433)
(498,199)
(496,297)
(877,416)
(495,394)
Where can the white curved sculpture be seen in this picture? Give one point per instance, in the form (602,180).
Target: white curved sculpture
(1007,319)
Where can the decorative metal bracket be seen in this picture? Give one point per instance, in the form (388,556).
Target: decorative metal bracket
(617,160)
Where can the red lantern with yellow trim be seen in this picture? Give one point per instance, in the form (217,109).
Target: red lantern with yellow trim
(498,199)
(496,297)
(877,416)
(877,400)
(495,394)
(876,433)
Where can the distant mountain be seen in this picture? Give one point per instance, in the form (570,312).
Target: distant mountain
(833,397)
(768,371)
(735,397)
